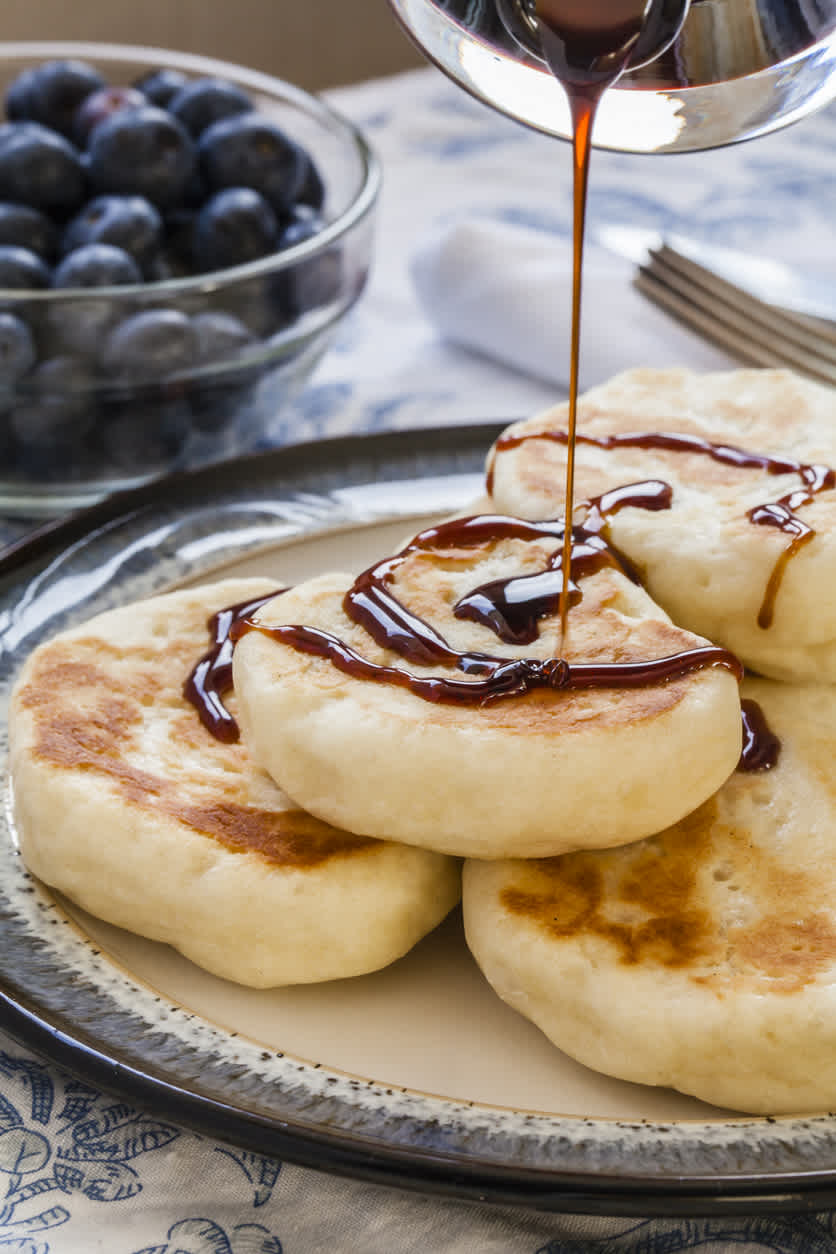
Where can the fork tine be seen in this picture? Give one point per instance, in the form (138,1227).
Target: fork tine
(709,326)
(805,332)
(771,329)
(747,328)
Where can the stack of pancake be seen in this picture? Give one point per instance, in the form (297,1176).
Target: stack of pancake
(662,915)
(126,802)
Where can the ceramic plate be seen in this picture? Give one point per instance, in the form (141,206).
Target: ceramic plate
(417,1075)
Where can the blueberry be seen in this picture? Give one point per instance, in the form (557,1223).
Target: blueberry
(300,224)
(54,411)
(235,226)
(143,434)
(28,228)
(82,325)
(142,152)
(312,191)
(96,265)
(51,93)
(161,270)
(259,303)
(129,222)
(178,237)
(103,104)
(207,100)
(251,151)
(22,269)
(222,342)
(64,375)
(149,346)
(197,192)
(220,337)
(40,168)
(18,94)
(217,402)
(17,349)
(315,281)
(161,85)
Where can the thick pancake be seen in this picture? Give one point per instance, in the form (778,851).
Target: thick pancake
(531,774)
(703,559)
(703,958)
(129,806)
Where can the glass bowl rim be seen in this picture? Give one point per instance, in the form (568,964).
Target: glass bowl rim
(268,84)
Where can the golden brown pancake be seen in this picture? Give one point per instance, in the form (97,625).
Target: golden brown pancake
(703,958)
(532,774)
(715,570)
(126,803)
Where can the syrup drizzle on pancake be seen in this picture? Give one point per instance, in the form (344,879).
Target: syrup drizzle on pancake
(761,747)
(508,607)
(371,604)
(511,607)
(502,677)
(815,478)
(212,676)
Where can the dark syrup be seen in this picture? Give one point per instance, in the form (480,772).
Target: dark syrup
(211,678)
(511,608)
(411,636)
(761,747)
(587,44)
(781,514)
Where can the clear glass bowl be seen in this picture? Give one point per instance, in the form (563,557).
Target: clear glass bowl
(97,434)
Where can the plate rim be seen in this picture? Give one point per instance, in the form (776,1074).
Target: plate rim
(429,1166)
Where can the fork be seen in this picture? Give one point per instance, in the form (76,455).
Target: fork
(755,332)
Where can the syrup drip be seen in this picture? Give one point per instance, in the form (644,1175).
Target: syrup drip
(501,677)
(509,607)
(761,747)
(371,604)
(814,477)
(780,515)
(212,676)
(586,44)
(512,607)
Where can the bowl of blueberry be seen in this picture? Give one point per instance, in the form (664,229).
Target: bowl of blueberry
(180,240)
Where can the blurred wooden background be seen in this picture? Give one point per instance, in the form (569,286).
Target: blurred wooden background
(316,43)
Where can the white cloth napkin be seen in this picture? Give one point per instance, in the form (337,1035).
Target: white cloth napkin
(504,291)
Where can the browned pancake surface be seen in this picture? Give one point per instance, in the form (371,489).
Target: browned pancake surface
(126,803)
(90,709)
(648,904)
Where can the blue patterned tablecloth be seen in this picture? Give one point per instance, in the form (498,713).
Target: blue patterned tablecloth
(81,1172)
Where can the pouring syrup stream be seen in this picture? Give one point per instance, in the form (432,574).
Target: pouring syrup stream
(587,44)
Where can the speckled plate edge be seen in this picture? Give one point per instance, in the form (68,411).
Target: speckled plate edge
(71,1003)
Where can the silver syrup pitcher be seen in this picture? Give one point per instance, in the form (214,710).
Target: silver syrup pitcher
(736,69)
